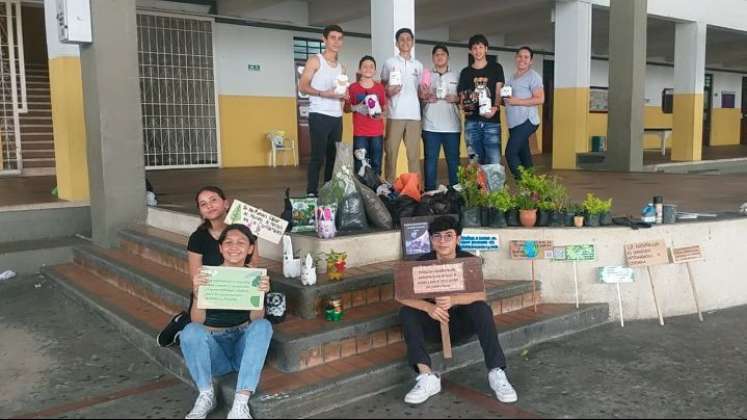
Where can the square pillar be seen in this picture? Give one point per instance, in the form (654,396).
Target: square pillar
(572,81)
(628,26)
(113,120)
(689,81)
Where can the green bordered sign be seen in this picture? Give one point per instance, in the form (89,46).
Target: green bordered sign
(616,274)
(232,289)
(573,253)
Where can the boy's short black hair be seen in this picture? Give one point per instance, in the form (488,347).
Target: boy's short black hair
(477,39)
(366,58)
(441,47)
(444,223)
(332,28)
(403,31)
(525,48)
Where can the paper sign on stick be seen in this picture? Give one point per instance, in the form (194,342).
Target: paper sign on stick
(616,274)
(646,254)
(264,225)
(430,279)
(687,254)
(531,250)
(479,242)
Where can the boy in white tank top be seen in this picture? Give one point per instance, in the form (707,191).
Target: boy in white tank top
(324,80)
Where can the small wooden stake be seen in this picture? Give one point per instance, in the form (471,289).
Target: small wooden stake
(695,292)
(656,301)
(534,288)
(446,340)
(620,302)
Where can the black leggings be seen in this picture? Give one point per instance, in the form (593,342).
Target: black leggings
(464,322)
(326,132)
(518,152)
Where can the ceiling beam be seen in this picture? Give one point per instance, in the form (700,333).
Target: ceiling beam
(499,23)
(242,8)
(327,12)
(440,13)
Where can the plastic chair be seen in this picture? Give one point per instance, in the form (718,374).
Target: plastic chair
(280,143)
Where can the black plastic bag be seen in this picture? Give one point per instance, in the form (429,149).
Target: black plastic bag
(351,215)
(378,214)
(370,179)
(400,207)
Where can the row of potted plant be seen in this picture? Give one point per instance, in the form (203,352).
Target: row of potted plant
(538,201)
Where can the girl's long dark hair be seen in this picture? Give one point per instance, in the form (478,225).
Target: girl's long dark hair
(206,223)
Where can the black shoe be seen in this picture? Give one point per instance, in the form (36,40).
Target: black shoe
(170,335)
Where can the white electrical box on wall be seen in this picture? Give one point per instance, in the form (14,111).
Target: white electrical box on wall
(74,21)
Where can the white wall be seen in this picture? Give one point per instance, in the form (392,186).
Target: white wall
(727,82)
(290,11)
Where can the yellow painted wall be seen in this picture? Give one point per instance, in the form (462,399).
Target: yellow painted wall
(69,126)
(653,118)
(244,122)
(726,126)
(570,126)
(687,129)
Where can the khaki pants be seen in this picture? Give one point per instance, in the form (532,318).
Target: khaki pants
(395,131)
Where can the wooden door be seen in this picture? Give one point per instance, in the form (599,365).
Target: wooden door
(744,110)
(548,76)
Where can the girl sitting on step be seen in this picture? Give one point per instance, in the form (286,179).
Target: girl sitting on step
(218,342)
(202,249)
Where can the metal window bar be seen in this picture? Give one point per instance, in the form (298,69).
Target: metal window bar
(177,91)
(11,162)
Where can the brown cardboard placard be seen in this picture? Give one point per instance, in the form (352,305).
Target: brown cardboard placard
(432,279)
(687,254)
(646,254)
(545,250)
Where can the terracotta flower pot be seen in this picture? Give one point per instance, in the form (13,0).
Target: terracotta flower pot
(578,221)
(528,217)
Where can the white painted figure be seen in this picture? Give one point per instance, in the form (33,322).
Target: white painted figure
(308,272)
(291,265)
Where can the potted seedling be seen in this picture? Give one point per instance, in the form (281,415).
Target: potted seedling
(472,197)
(527,209)
(336,264)
(557,194)
(569,215)
(534,185)
(499,202)
(578,217)
(594,208)
(545,210)
(605,219)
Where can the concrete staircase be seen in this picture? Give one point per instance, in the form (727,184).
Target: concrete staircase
(37,137)
(314,365)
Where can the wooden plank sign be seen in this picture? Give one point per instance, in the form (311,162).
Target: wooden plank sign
(646,254)
(531,250)
(432,279)
(687,254)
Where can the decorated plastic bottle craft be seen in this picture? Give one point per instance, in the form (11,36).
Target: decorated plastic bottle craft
(308,272)
(291,265)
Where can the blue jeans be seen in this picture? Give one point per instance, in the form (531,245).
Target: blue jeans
(216,353)
(433,142)
(484,140)
(374,151)
(518,152)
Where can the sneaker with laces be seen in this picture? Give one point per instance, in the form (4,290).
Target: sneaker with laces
(204,405)
(170,334)
(428,385)
(503,389)
(240,411)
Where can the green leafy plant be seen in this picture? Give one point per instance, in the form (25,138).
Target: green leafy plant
(332,256)
(595,205)
(531,183)
(545,205)
(471,194)
(501,200)
(524,201)
(557,194)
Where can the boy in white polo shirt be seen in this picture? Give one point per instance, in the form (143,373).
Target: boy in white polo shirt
(401,75)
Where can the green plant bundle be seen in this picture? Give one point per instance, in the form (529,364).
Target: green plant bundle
(557,194)
(332,256)
(501,200)
(524,201)
(595,205)
(471,194)
(529,182)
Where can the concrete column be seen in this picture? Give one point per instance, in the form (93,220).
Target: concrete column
(572,78)
(68,122)
(689,80)
(627,85)
(113,120)
(387,17)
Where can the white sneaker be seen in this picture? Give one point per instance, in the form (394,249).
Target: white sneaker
(203,406)
(428,385)
(503,389)
(240,411)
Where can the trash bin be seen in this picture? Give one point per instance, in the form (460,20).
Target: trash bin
(598,144)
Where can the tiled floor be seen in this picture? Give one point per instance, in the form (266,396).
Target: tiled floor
(264,187)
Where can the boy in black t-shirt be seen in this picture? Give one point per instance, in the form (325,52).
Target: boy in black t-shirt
(466,315)
(479,87)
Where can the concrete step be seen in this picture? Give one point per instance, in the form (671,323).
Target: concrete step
(36,128)
(37,145)
(318,389)
(27,257)
(38,163)
(298,343)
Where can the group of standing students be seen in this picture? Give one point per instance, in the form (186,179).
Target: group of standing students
(420,103)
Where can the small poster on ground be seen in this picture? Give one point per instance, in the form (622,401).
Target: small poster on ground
(645,254)
(232,288)
(264,225)
(304,214)
(416,241)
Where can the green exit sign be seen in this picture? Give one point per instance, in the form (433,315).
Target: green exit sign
(254,67)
